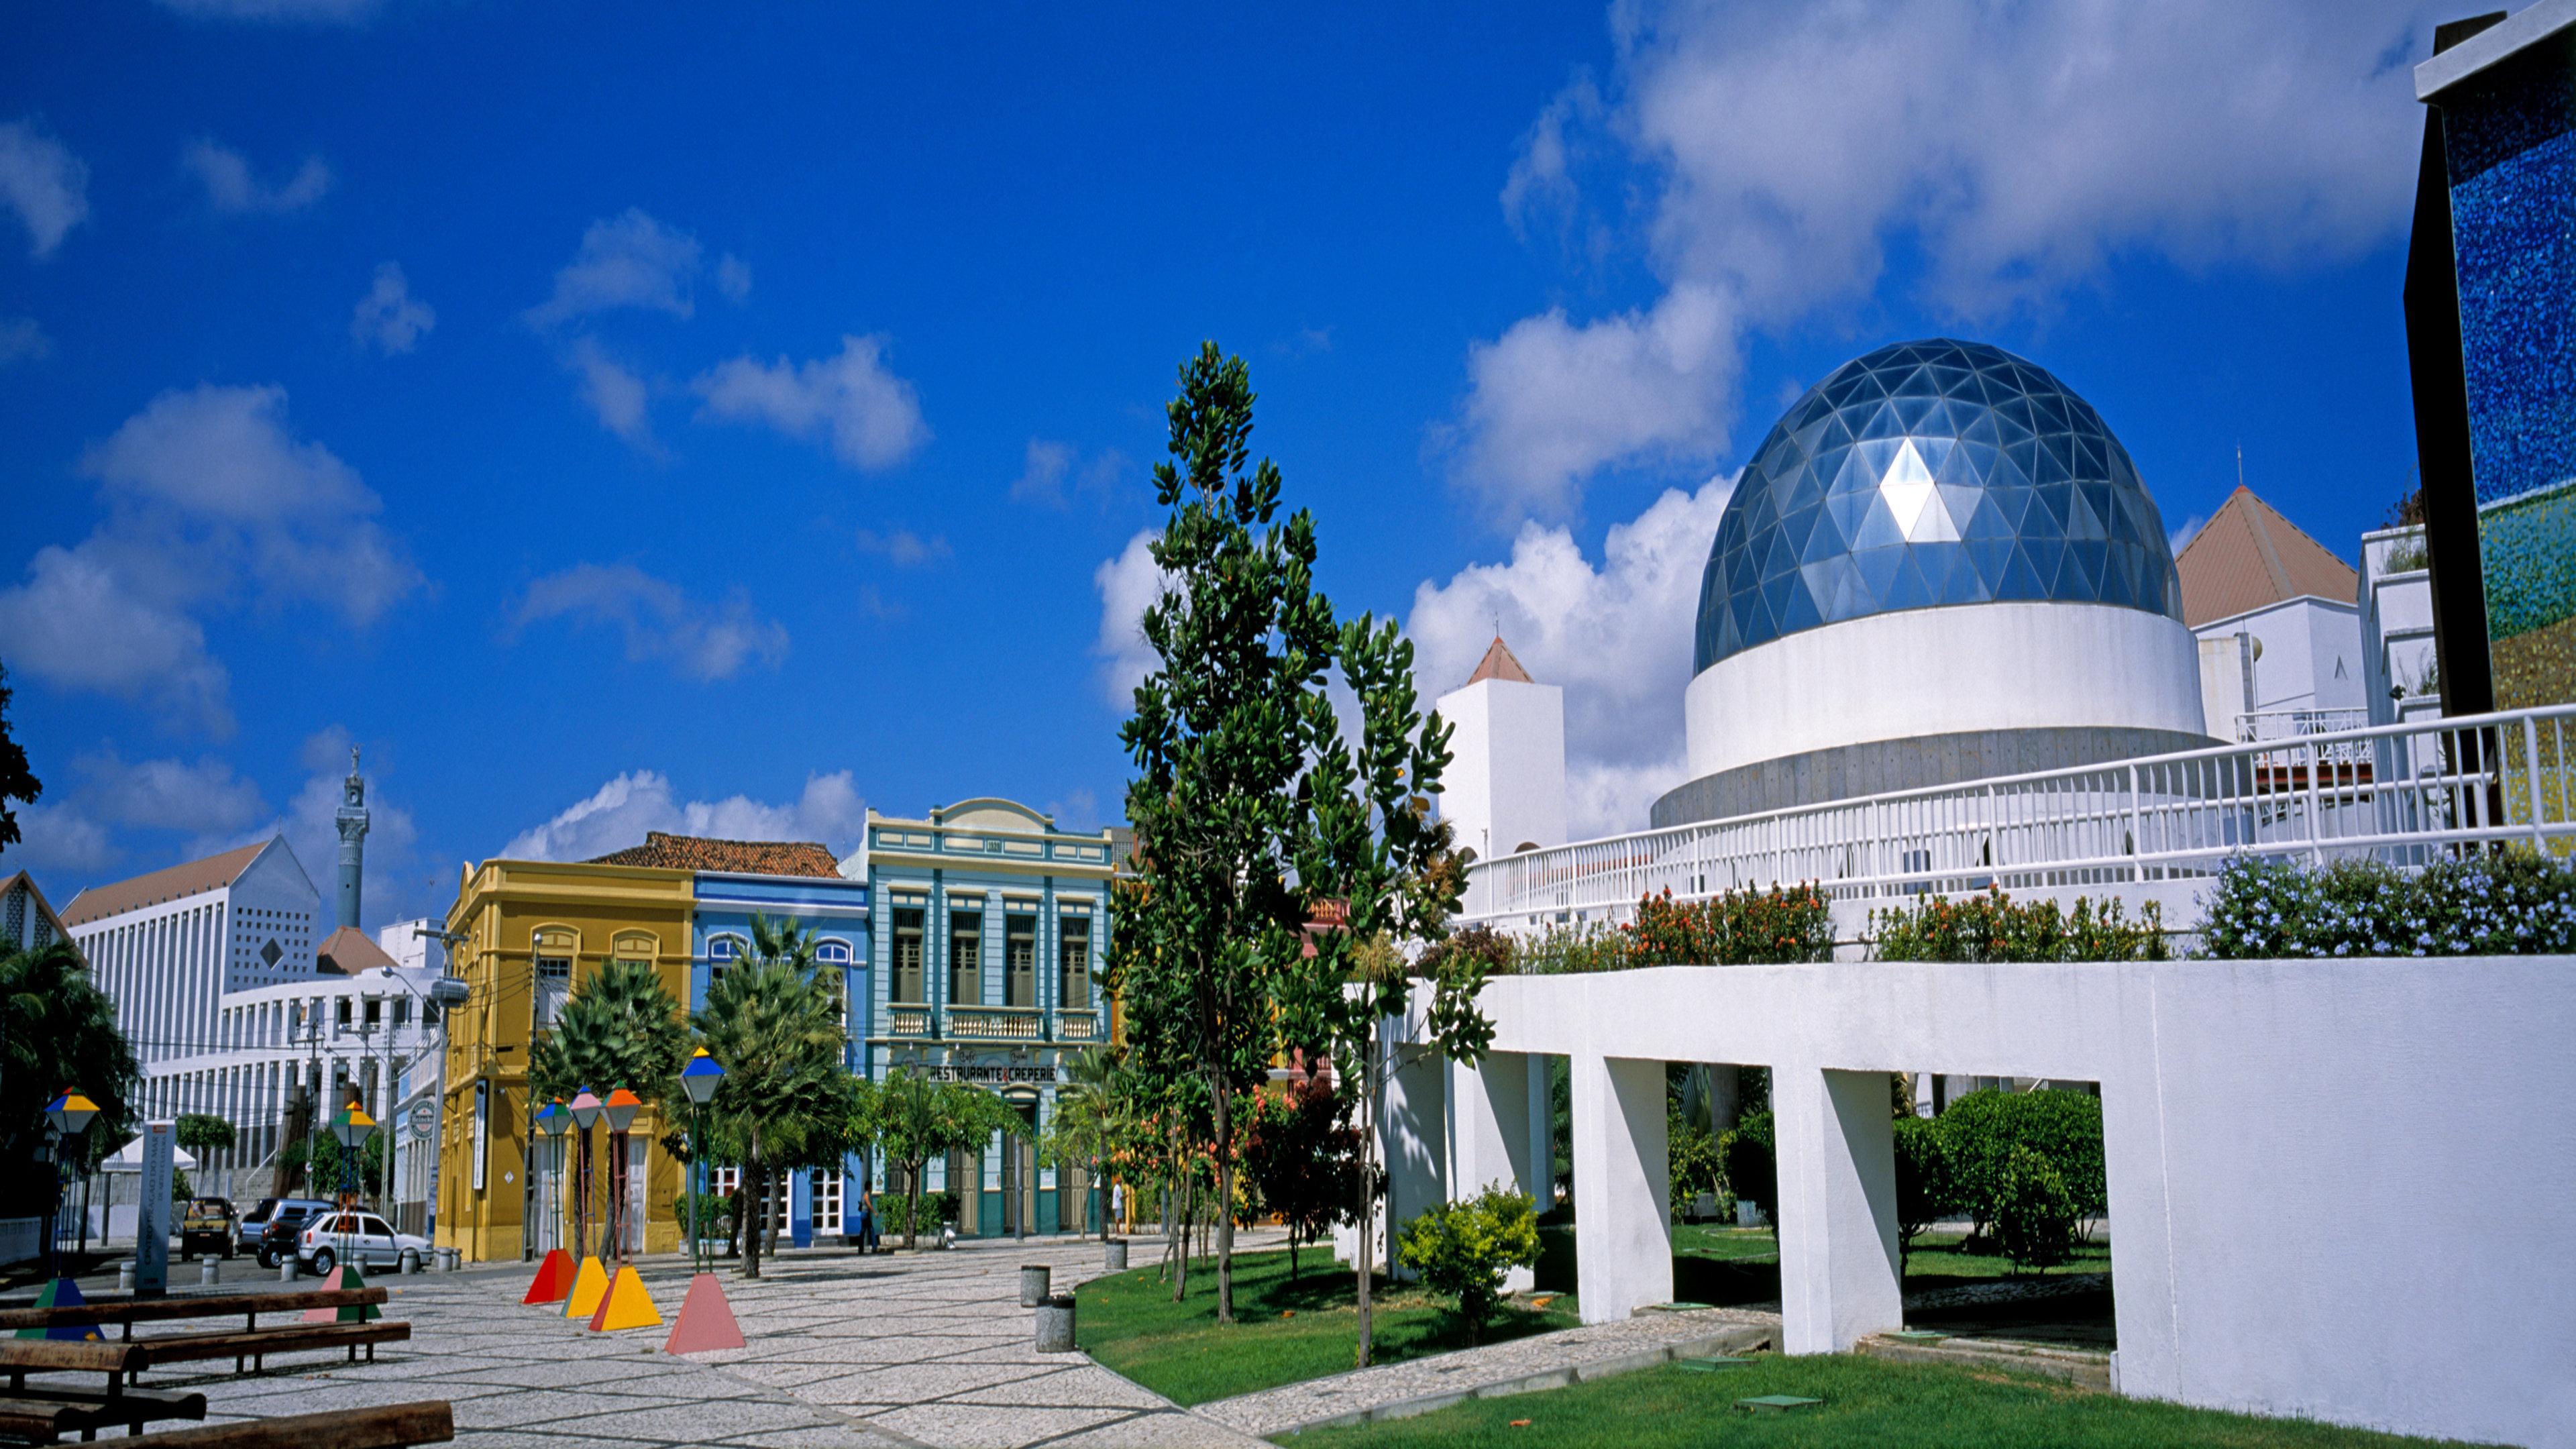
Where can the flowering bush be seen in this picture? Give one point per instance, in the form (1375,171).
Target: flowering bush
(1567,950)
(1737,928)
(2516,903)
(1992,927)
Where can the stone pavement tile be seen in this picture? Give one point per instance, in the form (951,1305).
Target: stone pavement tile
(1168,1430)
(1085,1386)
(788,1374)
(696,1421)
(534,1409)
(986,1427)
(839,1436)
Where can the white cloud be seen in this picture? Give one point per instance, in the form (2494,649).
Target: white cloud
(707,641)
(205,798)
(628,260)
(210,500)
(311,827)
(733,277)
(58,837)
(1054,474)
(2183,533)
(619,813)
(1616,637)
(902,547)
(1128,585)
(872,417)
(323,12)
(230,186)
(389,318)
(617,397)
(21,340)
(1780,151)
(43,182)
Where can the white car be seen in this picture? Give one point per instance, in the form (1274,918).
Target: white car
(328,1239)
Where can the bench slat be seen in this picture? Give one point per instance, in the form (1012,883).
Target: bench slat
(46,1355)
(260,1342)
(391,1427)
(99,1312)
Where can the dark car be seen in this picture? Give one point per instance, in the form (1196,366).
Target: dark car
(274,1223)
(207,1227)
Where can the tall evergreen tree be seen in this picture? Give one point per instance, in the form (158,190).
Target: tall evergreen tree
(1218,741)
(774,1023)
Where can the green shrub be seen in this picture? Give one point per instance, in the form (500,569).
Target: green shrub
(2034,1212)
(1736,928)
(1751,1170)
(1994,927)
(894,1212)
(1691,1154)
(1461,1249)
(2508,904)
(1569,950)
(1925,1192)
(1980,1131)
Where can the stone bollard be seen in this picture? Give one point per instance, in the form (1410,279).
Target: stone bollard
(1033,1284)
(409,1264)
(447,1260)
(286,1268)
(1117,1255)
(125,1277)
(209,1271)
(1055,1324)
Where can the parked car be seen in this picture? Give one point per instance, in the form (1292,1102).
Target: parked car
(330,1238)
(207,1227)
(272,1225)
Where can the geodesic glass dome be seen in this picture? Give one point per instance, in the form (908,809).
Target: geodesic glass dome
(1925,474)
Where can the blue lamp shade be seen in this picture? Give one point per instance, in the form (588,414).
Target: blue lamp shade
(554,1117)
(700,1076)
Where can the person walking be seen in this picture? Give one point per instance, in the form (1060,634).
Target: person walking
(867,1221)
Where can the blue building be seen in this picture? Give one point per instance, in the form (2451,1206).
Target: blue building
(991,926)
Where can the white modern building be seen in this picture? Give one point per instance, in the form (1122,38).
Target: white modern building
(2399,679)
(2278,619)
(1504,790)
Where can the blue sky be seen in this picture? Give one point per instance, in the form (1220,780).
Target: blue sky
(619,417)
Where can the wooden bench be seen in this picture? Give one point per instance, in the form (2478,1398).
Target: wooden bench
(248,1345)
(42,1413)
(256,1344)
(396,1426)
(130,1311)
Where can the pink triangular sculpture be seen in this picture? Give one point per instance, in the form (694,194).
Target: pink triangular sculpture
(706,1320)
(330,1284)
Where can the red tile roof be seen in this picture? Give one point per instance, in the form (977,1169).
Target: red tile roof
(349,951)
(737,857)
(1500,663)
(2248,556)
(161,885)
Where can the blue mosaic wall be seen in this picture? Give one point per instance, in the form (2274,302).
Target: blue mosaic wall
(2510,144)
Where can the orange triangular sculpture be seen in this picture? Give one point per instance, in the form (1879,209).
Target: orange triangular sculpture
(706,1320)
(553,1282)
(625,1305)
(330,1284)
(588,1287)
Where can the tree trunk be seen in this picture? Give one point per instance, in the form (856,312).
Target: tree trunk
(755,1174)
(1187,1214)
(1224,1205)
(1363,1255)
(912,1200)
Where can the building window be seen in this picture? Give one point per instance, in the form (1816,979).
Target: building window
(1073,963)
(722,952)
(827,1203)
(554,986)
(966,958)
(1019,960)
(832,966)
(909,983)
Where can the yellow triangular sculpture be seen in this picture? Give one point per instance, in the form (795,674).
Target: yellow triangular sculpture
(588,1287)
(626,1306)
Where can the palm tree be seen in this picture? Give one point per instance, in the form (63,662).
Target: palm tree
(57,1031)
(775,1025)
(620,1028)
(1095,1119)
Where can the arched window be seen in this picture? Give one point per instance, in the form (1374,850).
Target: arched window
(724,948)
(833,953)
(833,957)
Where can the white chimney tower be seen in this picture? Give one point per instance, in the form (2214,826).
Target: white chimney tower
(1505,787)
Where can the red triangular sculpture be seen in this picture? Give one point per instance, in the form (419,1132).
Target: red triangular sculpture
(330,1284)
(553,1283)
(706,1320)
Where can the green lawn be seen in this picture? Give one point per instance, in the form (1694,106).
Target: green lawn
(1283,1333)
(1866,1402)
(1714,1264)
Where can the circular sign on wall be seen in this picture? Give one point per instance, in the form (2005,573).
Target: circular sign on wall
(424,1119)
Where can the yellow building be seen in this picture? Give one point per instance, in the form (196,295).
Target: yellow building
(524,934)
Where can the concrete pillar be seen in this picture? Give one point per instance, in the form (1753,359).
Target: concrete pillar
(1836,1149)
(1623,1243)
(1542,1134)
(1490,1141)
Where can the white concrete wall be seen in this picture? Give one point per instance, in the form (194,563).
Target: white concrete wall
(1505,785)
(2311,655)
(2343,1188)
(1944,671)
(2396,626)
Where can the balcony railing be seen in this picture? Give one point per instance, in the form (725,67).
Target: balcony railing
(2405,794)
(996,1023)
(1077,1025)
(909,1021)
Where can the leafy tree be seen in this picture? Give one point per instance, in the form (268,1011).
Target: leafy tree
(1925,1192)
(1462,1249)
(1981,1129)
(1372,848)
(620,1028)
(1691,1159)
(199,1133)
(916,1119)
(2034,1211)
(323,1162)
(1304,1158)
(17,779)
(1241,641)
(56,1031)
(1751,1170)
(1097,1121)
(774,1024)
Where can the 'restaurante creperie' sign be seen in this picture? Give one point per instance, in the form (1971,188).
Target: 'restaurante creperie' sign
(945,1072)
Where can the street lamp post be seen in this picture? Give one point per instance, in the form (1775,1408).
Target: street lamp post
(585,1113)
(552,1119)
(66,1117)
(352,1127)
(698,1079)
(621,1107)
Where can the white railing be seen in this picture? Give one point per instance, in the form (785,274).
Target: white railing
(2402,793)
